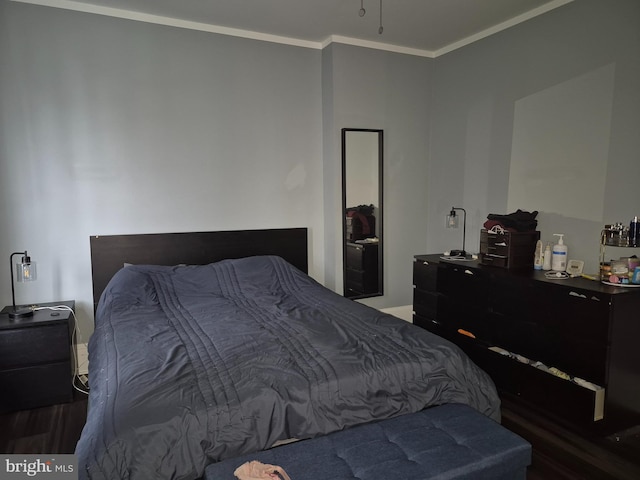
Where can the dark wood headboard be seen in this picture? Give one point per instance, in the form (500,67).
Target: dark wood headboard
(109,253)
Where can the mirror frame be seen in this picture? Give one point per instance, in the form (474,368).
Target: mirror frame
(379,216)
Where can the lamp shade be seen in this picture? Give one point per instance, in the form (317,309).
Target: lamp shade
(25,272)
(452,219)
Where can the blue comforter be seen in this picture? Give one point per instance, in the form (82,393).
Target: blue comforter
(192,365)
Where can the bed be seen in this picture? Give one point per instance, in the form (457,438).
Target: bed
(212,345)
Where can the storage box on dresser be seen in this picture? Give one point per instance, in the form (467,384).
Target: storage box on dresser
(581,327)
(357,230)
(35,360)
(508,249)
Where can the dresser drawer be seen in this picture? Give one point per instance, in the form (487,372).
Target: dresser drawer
(542,390)
(464,286)
(508,241)
(362,281)
(355,278)
(431,324)
(566,328)
(37,386)
(585,359)
(494,260)
(572,312)
(425,275)
(362,257)
(34,345)
(425,303)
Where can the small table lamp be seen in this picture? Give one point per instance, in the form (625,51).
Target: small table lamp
(25,272)
(452,222)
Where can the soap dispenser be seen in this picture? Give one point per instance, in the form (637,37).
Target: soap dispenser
(546,262)
(559,256)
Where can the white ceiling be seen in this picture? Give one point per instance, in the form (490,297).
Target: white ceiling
(421,27)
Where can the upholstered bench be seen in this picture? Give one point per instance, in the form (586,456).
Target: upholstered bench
(444,442)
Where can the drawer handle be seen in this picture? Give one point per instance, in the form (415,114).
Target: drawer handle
(466,333)
(575,294)
(469,272)
(425,263)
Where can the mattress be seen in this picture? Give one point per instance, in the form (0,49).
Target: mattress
(190,365)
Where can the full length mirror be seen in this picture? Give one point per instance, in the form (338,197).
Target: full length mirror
(362,212)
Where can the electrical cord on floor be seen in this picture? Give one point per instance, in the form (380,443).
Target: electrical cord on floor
(82,380)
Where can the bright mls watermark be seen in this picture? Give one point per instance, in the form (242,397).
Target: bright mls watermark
(51,467)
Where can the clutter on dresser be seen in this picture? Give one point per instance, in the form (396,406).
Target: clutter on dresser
(360,223)
(546,259)
(619,235)
(559,254)
(510,241)
(623,271)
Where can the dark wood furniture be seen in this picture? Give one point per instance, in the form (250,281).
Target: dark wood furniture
(36,367)
(109,253)
(361,269)
(509,249)
(580,327)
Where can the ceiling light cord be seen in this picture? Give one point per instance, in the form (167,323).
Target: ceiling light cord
(362,13)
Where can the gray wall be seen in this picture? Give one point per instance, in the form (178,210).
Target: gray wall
(112,126)
(127,127)
(368,88)
(585,46)
(109,126)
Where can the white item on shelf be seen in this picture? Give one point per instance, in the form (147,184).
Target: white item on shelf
(546,261)
(559,255)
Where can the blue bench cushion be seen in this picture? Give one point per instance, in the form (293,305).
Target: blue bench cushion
(445,442)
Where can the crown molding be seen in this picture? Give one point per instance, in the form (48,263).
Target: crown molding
(235,32)
(501,26)
(377,45)
(171,22)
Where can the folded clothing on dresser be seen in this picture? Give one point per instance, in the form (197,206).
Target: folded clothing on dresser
(518,221)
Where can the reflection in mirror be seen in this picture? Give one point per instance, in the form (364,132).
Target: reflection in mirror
(362,212)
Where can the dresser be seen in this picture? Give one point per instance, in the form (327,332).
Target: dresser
(568,348)
(361,269)
(36,366)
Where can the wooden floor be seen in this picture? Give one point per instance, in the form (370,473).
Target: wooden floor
(54,429)
(560,454)
(557,453)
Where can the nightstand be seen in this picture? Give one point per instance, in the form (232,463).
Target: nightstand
(36,367)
